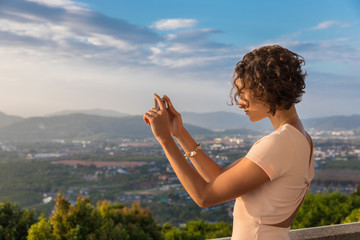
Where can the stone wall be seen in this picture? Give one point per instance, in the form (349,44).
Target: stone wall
(348,231)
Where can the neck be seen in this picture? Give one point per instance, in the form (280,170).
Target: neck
(282,117)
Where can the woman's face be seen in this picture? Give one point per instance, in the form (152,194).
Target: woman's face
(255,109)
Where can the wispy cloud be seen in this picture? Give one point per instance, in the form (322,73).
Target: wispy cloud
(59,53)
(65,4)
(334,48)
(330,51)
(172,24)
(330,23)
(81,57)
(67,28)
(194,49)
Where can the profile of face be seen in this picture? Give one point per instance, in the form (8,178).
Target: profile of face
(253,108)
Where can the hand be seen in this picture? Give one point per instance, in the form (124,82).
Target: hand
(175,120)
(158,120)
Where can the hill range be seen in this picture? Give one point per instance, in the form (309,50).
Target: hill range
(103,124)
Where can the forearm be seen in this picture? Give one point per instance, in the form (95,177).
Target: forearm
(207,167)
(191,180)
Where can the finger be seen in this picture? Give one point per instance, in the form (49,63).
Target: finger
(153,112)
(160,102)
(149,116)
(146,120)
(169,103)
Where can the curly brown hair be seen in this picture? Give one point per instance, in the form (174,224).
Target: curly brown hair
(273,75)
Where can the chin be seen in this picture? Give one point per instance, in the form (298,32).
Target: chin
(255,119)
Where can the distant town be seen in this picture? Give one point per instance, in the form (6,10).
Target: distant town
(130,170)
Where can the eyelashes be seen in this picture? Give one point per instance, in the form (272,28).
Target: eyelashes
(240,97)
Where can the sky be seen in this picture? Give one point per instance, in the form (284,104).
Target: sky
(60,55)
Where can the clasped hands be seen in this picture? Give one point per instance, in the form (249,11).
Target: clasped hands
(164,122)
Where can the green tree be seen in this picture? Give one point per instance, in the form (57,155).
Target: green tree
(176,234)
(138,222)
(354,216)
(196,230)
(14,221)
(74,222)
(41,230)
(325,209)
(85,222)
(218,230)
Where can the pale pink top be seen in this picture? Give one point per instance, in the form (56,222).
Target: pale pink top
(284,155)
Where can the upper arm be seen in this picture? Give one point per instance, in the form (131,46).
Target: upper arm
(241,178)
(232,164)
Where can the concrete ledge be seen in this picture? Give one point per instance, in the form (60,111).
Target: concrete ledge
(348,231)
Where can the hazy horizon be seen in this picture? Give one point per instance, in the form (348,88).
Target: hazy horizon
(114,54)
(51,114)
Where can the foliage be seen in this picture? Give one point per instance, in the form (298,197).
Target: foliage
(350,163)
(176,207)
(30,178)
(138,222)
(354,216)
(85,222)
(25,181)
(116,221)
(14,221)
(41,230)
(326,209)
(196,230)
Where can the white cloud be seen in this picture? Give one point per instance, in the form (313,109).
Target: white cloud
(56,54)
(38,30)
(173,24)
(77,32)
(337,48)
(92,36)
(109,41)
(195,51)
(328,24)
(330,51)
(42,85)
(65,4)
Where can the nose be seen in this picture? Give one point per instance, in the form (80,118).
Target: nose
(241,104)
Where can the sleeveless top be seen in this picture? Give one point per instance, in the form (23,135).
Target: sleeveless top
(286,157)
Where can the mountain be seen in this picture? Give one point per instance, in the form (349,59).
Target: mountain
(224,121)
(96,111)
(81,126)
(242,132)
(227,121)
(85,126)
(334,123)
(8,120)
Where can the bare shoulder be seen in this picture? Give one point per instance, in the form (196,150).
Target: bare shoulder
(301,129)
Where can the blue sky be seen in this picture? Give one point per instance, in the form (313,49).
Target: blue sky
(113,54)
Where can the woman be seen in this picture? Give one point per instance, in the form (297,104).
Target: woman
(271,181)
